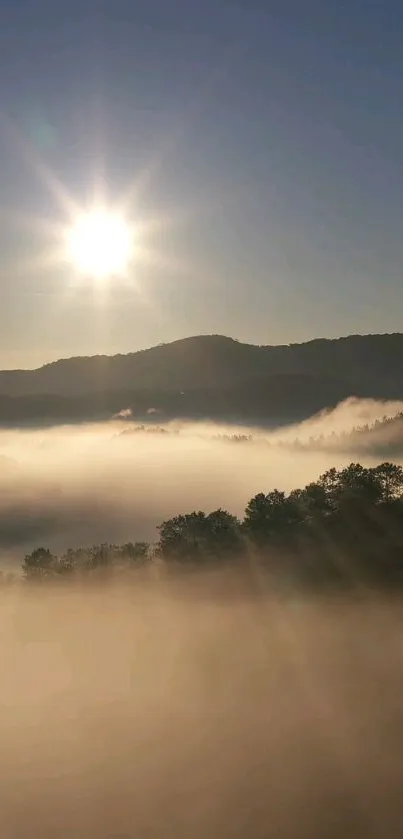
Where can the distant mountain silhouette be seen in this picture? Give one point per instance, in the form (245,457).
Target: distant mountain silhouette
(209,376)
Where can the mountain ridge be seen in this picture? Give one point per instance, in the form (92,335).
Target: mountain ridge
(211,376)
(355,336)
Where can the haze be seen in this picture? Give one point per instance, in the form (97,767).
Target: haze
(169,710)
(73,485)
(186,706)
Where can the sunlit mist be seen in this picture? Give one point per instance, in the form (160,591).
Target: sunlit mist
(116,481)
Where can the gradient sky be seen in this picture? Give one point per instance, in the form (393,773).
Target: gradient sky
(265,137)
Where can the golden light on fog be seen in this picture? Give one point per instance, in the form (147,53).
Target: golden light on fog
(100,244)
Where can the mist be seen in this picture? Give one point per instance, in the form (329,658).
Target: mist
(72,485)
(345,417)
(173,711)
(173,706)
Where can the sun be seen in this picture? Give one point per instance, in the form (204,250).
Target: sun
(100,244)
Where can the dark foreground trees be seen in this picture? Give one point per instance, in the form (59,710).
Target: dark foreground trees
(345,528)
(197,537)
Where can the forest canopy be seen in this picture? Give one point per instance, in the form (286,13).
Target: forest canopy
(343,529)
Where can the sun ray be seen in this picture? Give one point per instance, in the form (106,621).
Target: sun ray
(40,168)
(102,241)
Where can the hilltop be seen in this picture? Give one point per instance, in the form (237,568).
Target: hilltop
(209,376)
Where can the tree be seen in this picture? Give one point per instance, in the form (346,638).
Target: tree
(223,535)
(269,517)
(134,553)
(104,556)
(310,502)
(181,537)
(197,537)
(390,478)
(39,565)
(76,560)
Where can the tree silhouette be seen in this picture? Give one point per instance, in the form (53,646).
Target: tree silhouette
(269,517)
(39,565)
(200,537)
(343,528)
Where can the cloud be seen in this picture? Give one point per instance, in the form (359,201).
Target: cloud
(75,485)
(125,413)
(347,415)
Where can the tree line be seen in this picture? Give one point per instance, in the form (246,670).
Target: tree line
(384,437)
(343,529)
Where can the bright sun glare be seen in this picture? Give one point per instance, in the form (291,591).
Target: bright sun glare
(100,244)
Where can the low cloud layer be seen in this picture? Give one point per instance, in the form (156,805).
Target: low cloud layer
(350,414)
(192,707)
(84,484)
(172,714)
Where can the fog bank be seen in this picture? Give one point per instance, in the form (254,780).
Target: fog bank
(176,713)
(87,484)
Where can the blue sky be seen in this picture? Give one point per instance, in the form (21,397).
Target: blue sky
(272,135)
